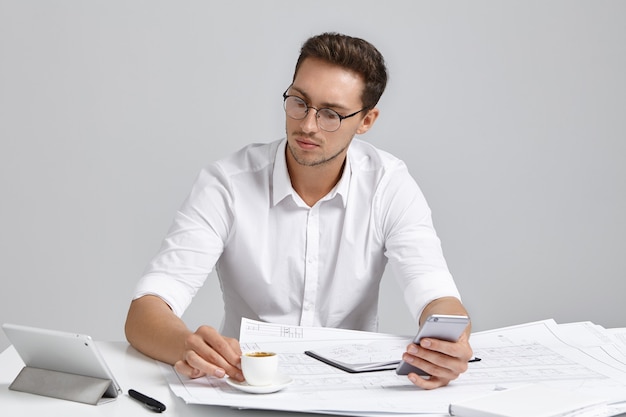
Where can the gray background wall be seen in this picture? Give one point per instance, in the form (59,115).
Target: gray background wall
(510,114)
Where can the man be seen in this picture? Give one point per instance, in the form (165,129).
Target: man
(300,230)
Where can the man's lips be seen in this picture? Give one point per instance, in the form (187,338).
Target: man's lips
(306,144)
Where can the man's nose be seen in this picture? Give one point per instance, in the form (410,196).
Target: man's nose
(309,123)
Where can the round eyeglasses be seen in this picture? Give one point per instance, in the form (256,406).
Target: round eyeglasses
(327,119)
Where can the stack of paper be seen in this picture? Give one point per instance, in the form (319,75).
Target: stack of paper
(536,400)
(582,358)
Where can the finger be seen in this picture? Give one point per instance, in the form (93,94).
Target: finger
(428,383)
(460,349)
(234,344)
(200,366)
(207,350)
(436,363)
(432,364)
(219,348)
(184,369)
(206,344)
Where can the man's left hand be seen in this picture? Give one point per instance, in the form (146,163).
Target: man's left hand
(443,361)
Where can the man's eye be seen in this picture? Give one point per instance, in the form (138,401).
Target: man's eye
(329,114)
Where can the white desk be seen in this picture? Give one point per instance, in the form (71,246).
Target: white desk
(132,370)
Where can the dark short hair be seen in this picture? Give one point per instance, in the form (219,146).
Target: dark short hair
(351,53)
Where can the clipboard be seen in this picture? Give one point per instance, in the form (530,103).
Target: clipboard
(354,367)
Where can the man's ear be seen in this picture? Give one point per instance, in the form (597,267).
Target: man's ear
(368,121)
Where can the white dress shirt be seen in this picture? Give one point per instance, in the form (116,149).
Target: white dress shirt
(281,261)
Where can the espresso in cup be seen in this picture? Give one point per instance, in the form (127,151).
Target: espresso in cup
(260,354)
(259,368)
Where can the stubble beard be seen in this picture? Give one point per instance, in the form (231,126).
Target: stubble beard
(313,163)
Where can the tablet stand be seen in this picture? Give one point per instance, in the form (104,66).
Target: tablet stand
(65,386)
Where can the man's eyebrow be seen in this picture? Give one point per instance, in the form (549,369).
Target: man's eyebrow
(322,105)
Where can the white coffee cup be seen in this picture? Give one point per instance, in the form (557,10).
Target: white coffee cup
(259,368)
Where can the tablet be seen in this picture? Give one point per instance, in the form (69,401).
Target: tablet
(62,352)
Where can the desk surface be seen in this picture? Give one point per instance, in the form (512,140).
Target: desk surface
(132,370)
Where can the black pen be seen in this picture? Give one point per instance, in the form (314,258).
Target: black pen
(151,403)
(475,359)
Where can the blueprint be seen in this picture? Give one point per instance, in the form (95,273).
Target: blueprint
(580,357)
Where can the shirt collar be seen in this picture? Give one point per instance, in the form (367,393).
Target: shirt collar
(282,184)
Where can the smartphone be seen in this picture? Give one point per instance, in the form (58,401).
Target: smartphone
(437,326)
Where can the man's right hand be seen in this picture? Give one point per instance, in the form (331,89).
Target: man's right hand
(153,329)
(207,352)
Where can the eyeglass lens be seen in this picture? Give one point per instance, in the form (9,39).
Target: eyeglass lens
(327,119)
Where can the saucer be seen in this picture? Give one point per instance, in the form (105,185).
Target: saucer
(281,381)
